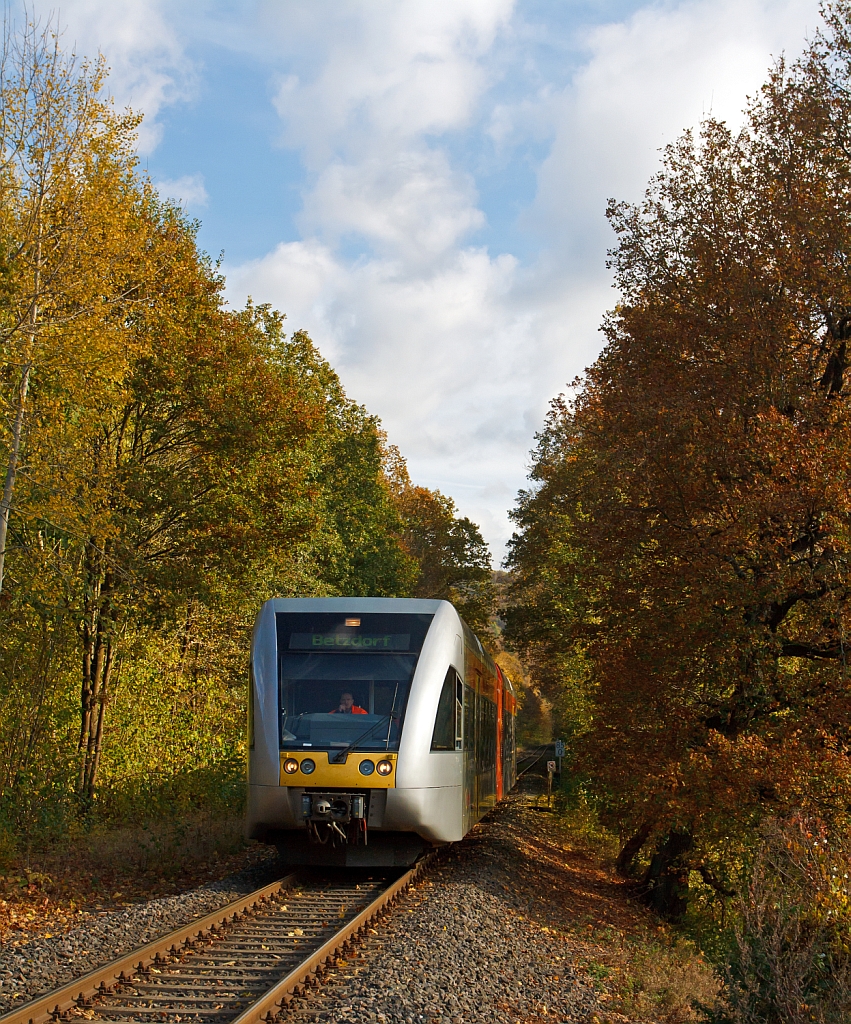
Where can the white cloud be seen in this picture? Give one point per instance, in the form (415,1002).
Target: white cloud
(457,361)
(459,349)
(188,190)
(378,86)
(148,66)
(412,205)
(386,72)
(645,80)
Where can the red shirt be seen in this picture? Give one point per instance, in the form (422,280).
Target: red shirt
(354,711)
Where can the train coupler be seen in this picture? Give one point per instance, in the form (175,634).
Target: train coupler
(335,817)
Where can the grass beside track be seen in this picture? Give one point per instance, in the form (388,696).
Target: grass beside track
(54,886)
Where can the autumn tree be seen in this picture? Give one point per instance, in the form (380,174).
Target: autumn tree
(452,557)
(355,548)
(168,464)
(687,535)
(65,157)
(191,471)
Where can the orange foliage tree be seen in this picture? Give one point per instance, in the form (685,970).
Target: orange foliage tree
(689,528)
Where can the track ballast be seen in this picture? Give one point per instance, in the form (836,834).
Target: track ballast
(238,965)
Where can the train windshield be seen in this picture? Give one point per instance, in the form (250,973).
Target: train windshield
(344,679)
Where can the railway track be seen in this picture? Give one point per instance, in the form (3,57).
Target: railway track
(239,965)
(533,758)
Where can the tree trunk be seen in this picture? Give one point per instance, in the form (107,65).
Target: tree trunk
(666,879)
(20,408)
(99,649)
(89,631)
(631,849)
(97,744)
(13,463)
(97,699)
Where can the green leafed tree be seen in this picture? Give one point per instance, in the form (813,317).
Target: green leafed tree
(453,559)
(168,464)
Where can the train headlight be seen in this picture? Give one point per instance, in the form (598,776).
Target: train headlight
(308,766)
(290,766)
(384,767)
(366,767)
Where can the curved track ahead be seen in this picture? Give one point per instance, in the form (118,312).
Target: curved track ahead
(237,965)
(534,757)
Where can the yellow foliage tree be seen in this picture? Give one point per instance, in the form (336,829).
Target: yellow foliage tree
(68,223)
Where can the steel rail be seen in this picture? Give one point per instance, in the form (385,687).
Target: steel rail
(62,1002)
(270,1004)
(56,1003)
(537,757)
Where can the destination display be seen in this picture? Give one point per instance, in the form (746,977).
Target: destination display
(349,642)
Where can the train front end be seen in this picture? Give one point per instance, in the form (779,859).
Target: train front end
(344,702)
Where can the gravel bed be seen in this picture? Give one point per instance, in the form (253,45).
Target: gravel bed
(477,941)
(472,943)
(31,969)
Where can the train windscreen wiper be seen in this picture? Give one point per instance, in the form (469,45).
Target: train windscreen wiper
(340,758)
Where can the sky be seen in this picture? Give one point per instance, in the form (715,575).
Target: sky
(421,184)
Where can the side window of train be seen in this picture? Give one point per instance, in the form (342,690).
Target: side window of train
(483,733)
(251,705)
(443,737)
(469,718)
(459,713)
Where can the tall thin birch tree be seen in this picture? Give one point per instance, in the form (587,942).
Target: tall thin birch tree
(58,138)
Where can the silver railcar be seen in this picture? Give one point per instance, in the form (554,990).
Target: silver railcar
(379,727)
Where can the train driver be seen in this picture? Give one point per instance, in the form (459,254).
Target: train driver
(347,705)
